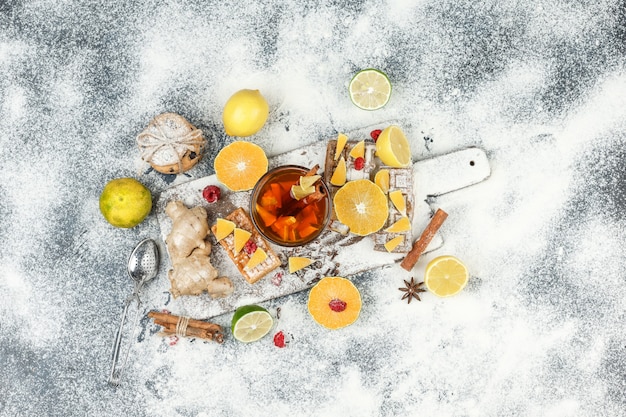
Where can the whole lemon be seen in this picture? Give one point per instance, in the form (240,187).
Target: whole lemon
(125,202)
(245,113)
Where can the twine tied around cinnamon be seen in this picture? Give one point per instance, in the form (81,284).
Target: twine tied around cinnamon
(183,326)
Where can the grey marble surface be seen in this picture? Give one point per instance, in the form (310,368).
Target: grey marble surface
(540,86)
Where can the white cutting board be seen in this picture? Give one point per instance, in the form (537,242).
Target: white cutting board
(334,254)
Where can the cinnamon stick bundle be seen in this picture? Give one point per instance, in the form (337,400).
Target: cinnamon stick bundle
(421,244)
(194,328)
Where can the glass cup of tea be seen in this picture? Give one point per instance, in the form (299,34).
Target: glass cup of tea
(283,219)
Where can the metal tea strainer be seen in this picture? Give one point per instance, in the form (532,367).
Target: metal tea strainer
(143,266)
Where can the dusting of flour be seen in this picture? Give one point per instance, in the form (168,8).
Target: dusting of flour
(539,86)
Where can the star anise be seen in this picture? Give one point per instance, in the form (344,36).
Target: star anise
(412,290)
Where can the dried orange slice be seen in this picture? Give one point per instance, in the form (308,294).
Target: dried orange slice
(358,151)
(223,228)
(341,143)
(240,165)
(393,243)
(257,257)
(402,225)
(445,276)
(241,237)
(381,179)
(339,176)
(398,201)
(296,263)
(362,206)
(334,302)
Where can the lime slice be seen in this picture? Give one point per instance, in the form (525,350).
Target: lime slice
(370,89)
(250,323)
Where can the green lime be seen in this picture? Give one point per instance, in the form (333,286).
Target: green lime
(370,89)
(125,202)
(250,323)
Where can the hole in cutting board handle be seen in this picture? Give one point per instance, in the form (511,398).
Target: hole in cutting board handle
(472,163)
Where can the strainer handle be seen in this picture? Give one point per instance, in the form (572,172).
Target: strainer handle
(117,363)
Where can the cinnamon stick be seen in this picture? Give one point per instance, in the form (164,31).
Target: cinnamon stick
(312,171)
(195,328)
(421,244)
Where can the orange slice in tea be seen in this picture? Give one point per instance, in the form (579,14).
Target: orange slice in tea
(339,176)
(362,206)
(341,143)
(307,181)
(401,225)
(224,228)
(240,165)
(296,263)
(334,302)
(298,192)
(358,151)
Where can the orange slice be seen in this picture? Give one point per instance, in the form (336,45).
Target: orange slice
(392,147)
(307,181)
(334,302)
(241,237)
(382,180)
(393,243)
(358,151)
(339,176)
(341,143)
(362,206)
(296,263)
(401,225)
(240,165)
(298,192)
(223,229)
(445,276)
(398,201)
(257,257)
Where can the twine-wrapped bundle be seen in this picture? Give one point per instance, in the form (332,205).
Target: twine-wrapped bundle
(170,144)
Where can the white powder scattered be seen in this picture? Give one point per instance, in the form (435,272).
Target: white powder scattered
(539,87)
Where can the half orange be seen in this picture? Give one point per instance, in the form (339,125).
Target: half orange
(334,302)
(240,165)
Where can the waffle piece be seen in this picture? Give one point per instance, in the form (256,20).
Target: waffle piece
(242,220)
(351,172)
(399,179)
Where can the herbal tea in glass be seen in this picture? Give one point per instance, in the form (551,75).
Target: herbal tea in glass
(290,206)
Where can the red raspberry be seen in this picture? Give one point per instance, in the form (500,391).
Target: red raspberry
(375,134)
(250,247)
(359,163)
(211,193)
(337,305)
(279,339)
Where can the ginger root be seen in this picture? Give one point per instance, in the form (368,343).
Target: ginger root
(192,272)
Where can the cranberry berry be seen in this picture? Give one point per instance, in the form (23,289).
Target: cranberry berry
(359,163)
(250,247)
(337,305)
(211,193)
